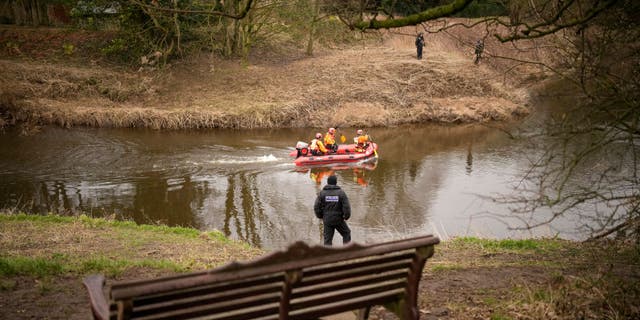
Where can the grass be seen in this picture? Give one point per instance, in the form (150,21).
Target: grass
(52,245)
(13,266)
(524,245)
(59,264)
(492,253)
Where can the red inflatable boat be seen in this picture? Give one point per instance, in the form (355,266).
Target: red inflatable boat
(346,153)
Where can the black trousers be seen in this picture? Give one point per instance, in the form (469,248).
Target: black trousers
(419,52)
(343,229)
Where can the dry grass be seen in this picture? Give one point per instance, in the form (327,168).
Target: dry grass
(373,84)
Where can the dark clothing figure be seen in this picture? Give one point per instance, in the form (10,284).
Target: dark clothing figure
(479,48)
(419,45)
(332,206)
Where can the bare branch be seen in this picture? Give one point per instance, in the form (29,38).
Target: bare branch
(550,27)
(238,16)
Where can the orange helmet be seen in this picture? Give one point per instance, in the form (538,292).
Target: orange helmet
(318,135)
(359,132)
(332,130)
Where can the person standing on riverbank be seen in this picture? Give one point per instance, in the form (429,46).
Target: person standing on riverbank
(419,44)
(332,206)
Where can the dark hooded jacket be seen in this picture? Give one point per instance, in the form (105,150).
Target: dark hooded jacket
(332,205)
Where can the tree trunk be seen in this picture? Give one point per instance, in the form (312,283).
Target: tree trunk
(29,12)
(315,6)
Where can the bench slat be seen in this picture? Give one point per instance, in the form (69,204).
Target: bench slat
(237,296)
(207,290)
(357,263)
(330,297)
(343,284)
(254,305)
(346,274)
(346,305)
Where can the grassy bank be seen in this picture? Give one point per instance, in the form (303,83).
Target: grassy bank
(373,83)
(55,245)
(43,259)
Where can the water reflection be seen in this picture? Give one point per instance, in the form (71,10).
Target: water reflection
(469,166)
(356,172)
(244,184)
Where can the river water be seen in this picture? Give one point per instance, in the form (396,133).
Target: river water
(428,179)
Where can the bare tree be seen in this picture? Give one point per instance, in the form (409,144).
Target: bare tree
(591,149)
(590,157)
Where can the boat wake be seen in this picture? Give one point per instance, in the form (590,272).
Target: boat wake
(245,160)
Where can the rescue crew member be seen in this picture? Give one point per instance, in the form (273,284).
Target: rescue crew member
(316,146)
(332,206)
(330,140)
(361,140)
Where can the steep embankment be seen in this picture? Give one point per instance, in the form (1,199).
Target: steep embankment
(373,84)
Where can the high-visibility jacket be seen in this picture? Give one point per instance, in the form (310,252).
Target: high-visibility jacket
(316,145)
(361,142)
(329,139)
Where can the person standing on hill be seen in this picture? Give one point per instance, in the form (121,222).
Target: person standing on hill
(479,48)
(419,44)
(332,206)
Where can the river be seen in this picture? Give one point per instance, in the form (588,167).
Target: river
(428,179)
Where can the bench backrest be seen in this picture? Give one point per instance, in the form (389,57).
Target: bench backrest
(300,283)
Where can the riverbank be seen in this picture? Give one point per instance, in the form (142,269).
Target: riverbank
(44,258)
(374,83)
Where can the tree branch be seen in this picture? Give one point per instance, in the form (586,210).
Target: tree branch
(238,16)
(414,19)
(538,30)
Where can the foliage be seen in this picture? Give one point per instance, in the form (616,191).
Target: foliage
(68,48)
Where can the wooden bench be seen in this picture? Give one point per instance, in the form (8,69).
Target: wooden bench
(301,282)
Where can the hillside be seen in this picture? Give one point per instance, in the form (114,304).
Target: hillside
(376,83)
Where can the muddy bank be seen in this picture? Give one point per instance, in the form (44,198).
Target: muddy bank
(377,83)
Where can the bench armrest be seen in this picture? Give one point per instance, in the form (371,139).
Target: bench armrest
(99,303)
